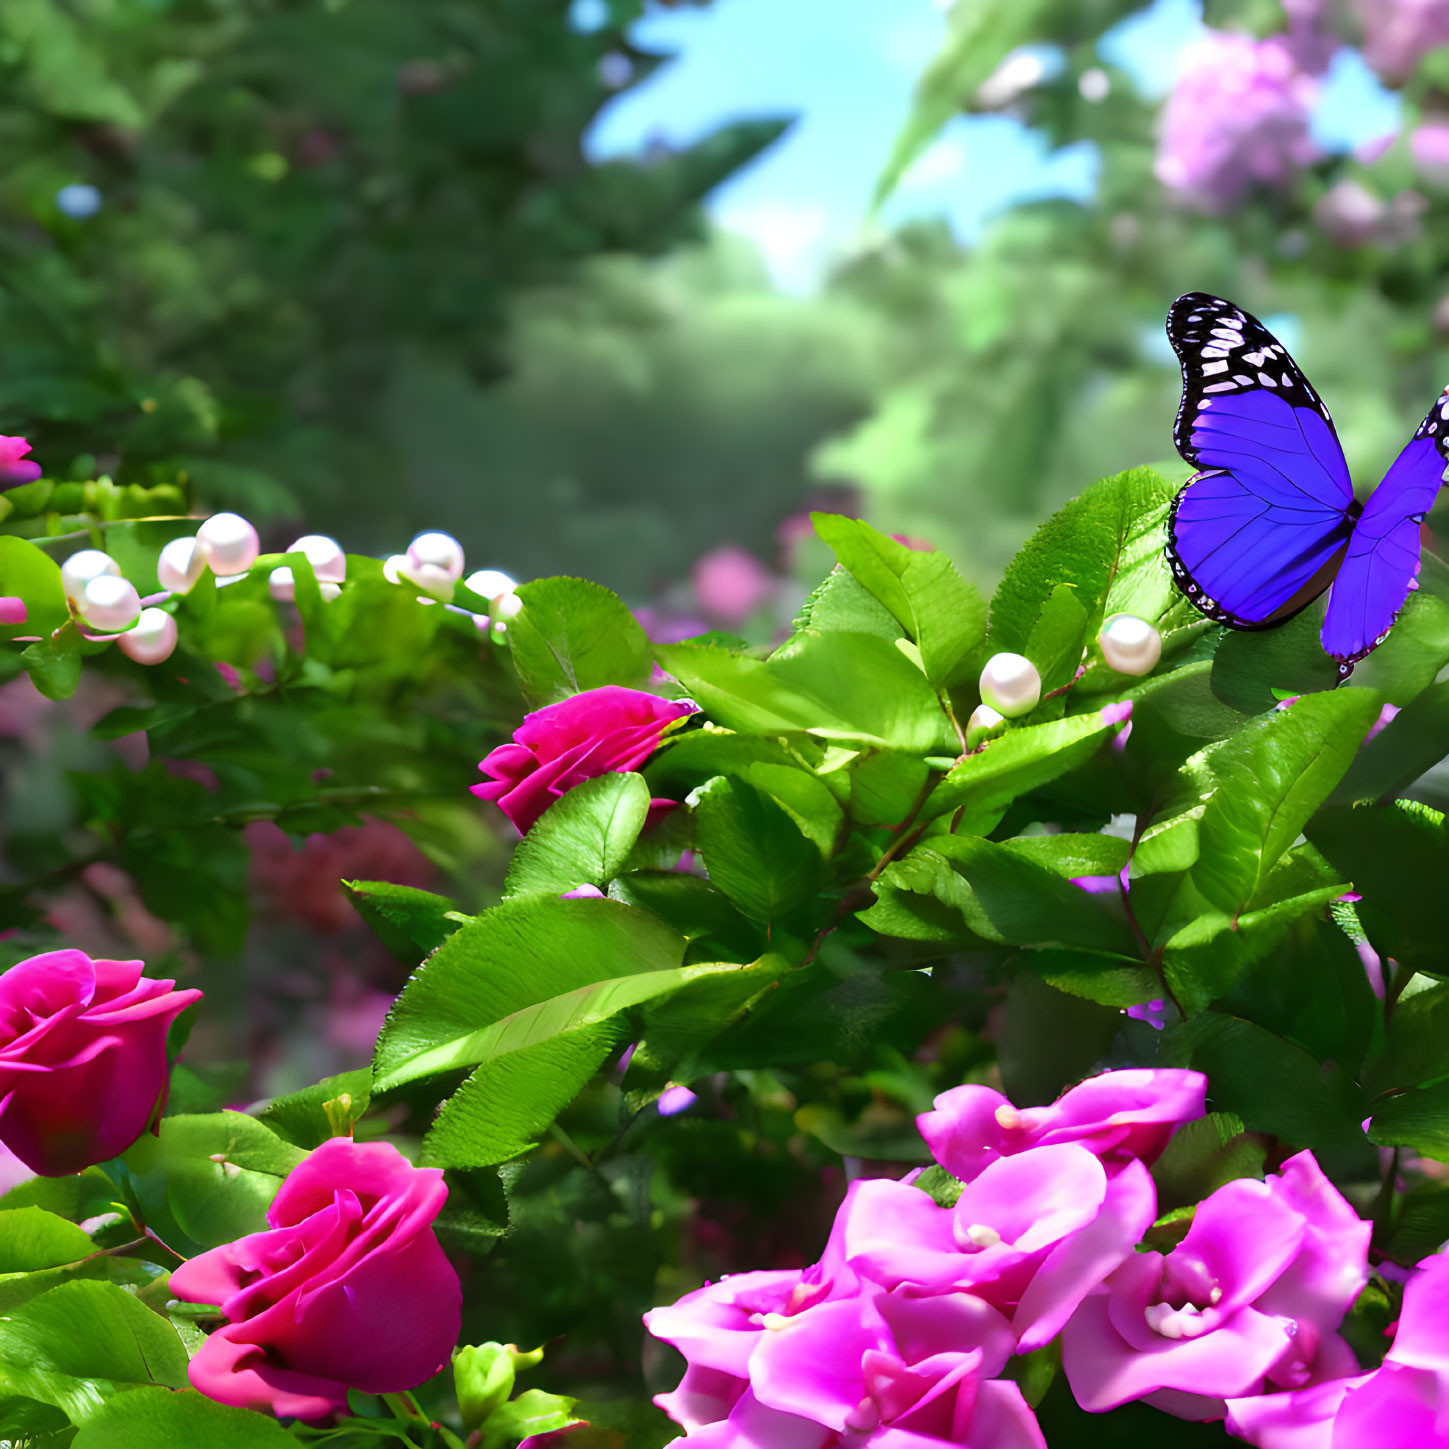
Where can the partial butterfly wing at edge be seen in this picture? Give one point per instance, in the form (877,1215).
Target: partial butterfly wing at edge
(1259,533)
(1382,561)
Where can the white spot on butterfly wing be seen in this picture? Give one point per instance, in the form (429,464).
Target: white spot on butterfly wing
(1266,380)
(1211,369)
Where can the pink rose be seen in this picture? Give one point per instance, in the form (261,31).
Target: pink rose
(598,732)
(82,1057)
(350,1289)
(1251,1297)
(1404,1404)
(15,467)
(1031,1234)
(1117,1116)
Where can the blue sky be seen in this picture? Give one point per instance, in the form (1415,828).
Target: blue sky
(846,68)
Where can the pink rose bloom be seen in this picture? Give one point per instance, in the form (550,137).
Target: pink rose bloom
(1118,1116)
(15,467)
(1429,145)
(1031,1234)
(889,1370)
(82,1058)
(1402,1405)
(555,748)
(731,584)
(350,1289)
(1252,1296)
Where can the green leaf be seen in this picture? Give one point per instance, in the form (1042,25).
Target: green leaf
(842,602)
(1105,546)
(938,609)
(159,1419)
(1272,778)
(1417,1050)
(84,1343)
(984,784)
(939,1185)
(840,686)
(29,573)
(1418,1118)
(527,952)
(1058,637)
(1049,1039)
(583,838)
(573,635)
(326,1109)
(1398,857)
(1411,743)
(31,1239)
(534,1411)
(754,851)
(54,662)
(1252,671)
(1108,980)
(1271,1084)
(1420,1223)
(1201,1156)
(410,922)
(213,1175)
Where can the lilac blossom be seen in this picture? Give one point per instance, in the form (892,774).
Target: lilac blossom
(1397,34)
(1251,1297)
(1237,117)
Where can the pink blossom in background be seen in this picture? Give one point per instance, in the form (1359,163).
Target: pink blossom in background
(349,1289)
(600,731)
(1237,117)
(15,467)
(12,610)
(1153,1012)
(1387,715)
(1252,1297)
(305,883)
(731,584)
(82,1057)
(1398,34)
(1404,1404)
(1429,146)
(664,627)
(1031,1234)
(674,1100)
(916,545)
(1119,1116)
(12,1170)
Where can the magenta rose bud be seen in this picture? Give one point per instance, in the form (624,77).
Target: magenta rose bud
(15,467)
(350,1289)
(598,732)
(82,1057)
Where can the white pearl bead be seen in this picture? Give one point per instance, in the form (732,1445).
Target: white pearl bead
(80,568)
(429,578)
(325,555)
(109,604)
(1010,684)
(180,564)
(436,551)
(329,591)
(230,544)
(1130,645)
(490,583)
(153,639)
(281,584)
(984,720)
(392,568)
(510,606)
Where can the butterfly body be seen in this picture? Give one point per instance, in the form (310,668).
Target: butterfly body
(1270,519)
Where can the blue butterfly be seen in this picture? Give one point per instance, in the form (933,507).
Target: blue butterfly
(1270,521)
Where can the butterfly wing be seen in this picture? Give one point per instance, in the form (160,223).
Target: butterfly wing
(1382,561)
(1260,531)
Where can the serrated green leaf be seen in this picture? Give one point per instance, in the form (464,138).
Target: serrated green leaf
(408,921)
(573,635)
(754,851)
(160,1419)
(1271,780)
(938,609)
(583,838)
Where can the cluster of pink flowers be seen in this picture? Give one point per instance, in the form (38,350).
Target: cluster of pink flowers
(899,1336)
(1397,34)
(1237,117)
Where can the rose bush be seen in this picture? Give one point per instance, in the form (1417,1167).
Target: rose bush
(82,1057)
(349,1288)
